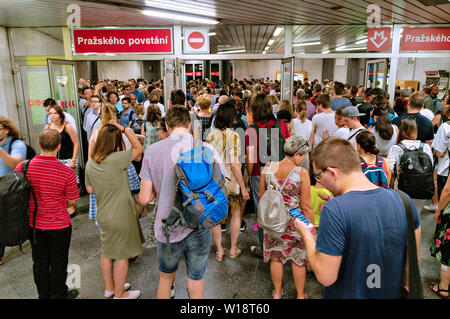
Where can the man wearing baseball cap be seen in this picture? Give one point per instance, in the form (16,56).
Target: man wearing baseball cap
(351,117)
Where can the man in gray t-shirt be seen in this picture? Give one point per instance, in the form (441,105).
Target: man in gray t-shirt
(158,179)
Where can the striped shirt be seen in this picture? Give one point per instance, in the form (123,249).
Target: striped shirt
(54,184)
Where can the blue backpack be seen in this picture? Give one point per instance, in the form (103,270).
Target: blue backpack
(201,196)
(376,174)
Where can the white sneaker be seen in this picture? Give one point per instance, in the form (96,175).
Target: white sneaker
(109,294)
(133,294)
(431,208)
(172,292)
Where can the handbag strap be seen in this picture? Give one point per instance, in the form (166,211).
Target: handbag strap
(415,281)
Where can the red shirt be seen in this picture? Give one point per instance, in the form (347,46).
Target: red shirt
(54,184)
(252,140)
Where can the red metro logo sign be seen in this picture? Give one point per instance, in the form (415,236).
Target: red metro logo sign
(379,39)
(123,41)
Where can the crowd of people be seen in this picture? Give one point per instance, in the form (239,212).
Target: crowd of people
(336,153)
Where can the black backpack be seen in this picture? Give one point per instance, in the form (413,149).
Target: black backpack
(136,126)
(277,141)
(205,127)
(30,151)
(416,173)
(14,210)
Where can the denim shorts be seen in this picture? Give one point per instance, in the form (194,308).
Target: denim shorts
(195,248)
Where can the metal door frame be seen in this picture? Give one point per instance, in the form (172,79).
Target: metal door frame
(291,82)
(366,73)
(51,74)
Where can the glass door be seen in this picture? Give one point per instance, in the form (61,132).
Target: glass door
(64,91)
(35,90)
(214,71)
(181,74)
(287,72)
(377,74)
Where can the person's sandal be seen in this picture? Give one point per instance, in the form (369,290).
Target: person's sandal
(438,292)
(276,296)
(305,297)
(236,253)
(219,255)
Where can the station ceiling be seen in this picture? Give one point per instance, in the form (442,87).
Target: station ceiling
(243,24)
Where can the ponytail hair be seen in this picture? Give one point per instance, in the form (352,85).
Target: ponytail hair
(366,140)
(300,107)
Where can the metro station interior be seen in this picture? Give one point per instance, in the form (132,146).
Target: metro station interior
(284,40)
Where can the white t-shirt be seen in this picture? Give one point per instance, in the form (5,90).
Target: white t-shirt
(441,144)
(302,129)
(345,133)
(428,114)
(322,123)
(395,152)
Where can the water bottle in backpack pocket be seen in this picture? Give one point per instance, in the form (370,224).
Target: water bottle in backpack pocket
(415,170)
(375,174)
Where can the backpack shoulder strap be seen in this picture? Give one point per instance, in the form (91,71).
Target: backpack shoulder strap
(10,144)
(402,146)
(415,282)
(25,165)
(130,116)
(363,163)
(348,139)
(422,145)
(379,162)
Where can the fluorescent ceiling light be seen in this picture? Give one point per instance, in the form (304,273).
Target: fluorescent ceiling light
(271,41)
(181,17)
(193,9)
(304,44)
(326,52)
(266,48)
(264,52)
(344,48)
(361,41)
(277,31)
(211,34)
(234,51)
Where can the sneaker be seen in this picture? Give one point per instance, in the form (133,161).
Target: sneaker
(133,294)
(223,227)
(72,294)
(109,294)
(243,225)
(431,208)
(257,250)
(172,292)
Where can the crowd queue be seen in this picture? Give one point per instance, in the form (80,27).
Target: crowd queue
(342,150)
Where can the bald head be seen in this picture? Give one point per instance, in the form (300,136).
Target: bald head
(49,140)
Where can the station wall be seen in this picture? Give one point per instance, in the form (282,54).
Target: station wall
(120,70)
(417,70)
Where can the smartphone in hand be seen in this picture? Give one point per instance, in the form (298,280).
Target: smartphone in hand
(295,212)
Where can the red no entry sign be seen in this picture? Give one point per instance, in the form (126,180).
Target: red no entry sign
(196,40)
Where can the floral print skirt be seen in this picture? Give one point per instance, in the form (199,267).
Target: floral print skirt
(288,246)
(440,249)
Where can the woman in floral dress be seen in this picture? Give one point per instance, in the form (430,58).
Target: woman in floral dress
(296,194)
(440,248)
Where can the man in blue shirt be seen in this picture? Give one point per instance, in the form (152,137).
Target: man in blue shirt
(12,152)
(338,100)
(139,94)
(425,130)
(92,117)
(125,117)
(362,235)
